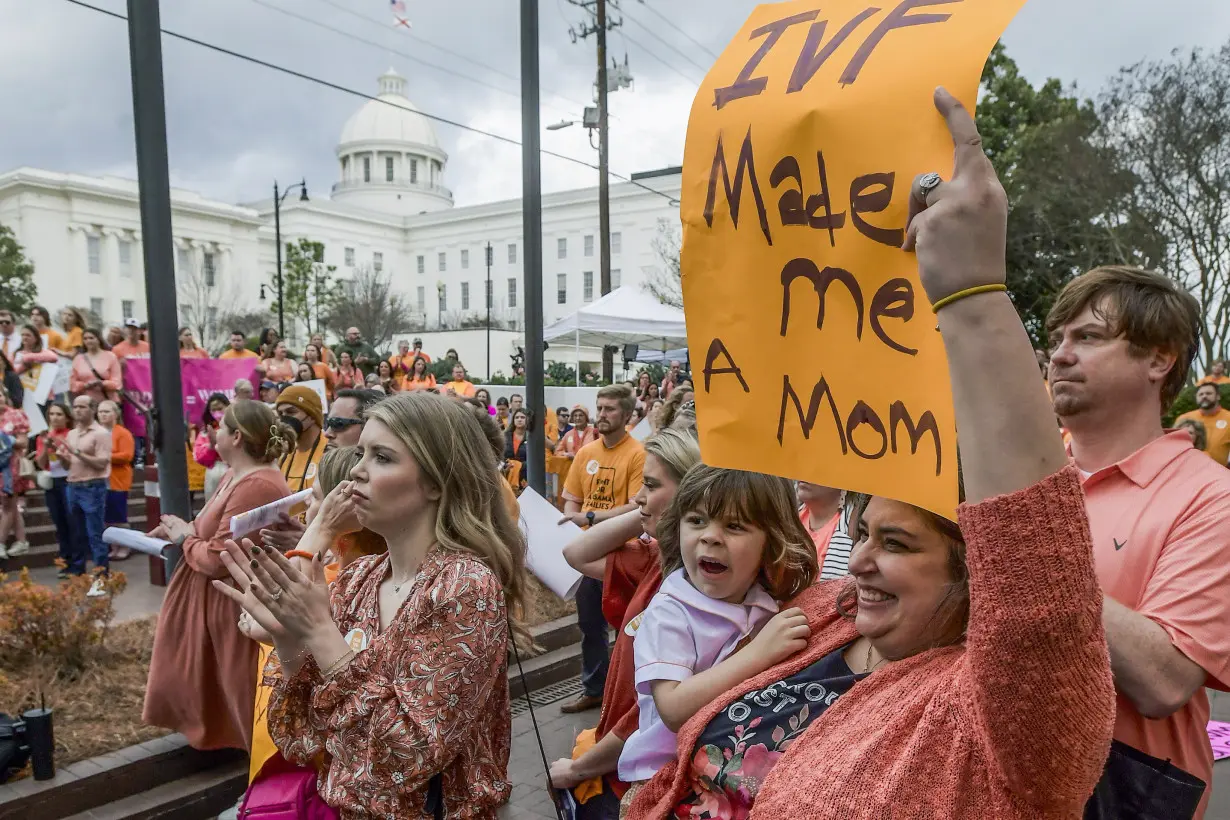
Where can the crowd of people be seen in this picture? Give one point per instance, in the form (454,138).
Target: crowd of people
(779,644)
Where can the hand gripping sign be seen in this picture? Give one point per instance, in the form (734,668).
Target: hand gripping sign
(821,359)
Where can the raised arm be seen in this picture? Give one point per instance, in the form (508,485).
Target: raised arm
(1035,639)
(588,551)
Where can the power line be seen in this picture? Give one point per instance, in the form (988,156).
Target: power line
(336,87)
(430,44)
(404,54)
(668,44)
(666,20)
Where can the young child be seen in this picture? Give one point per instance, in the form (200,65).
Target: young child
(731,547)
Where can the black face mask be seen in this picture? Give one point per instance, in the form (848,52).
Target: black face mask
(292,423)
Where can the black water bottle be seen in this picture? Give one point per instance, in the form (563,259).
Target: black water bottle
(41,740)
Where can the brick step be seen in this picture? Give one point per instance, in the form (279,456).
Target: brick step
(38,515)
(199,796)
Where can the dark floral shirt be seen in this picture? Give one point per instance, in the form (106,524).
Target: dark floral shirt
(737,749)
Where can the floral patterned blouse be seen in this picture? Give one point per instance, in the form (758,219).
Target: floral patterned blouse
(426,696)
(737,749)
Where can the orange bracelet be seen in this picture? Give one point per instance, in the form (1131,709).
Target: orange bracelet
(299,554)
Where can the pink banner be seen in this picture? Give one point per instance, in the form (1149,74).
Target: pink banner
(200,377)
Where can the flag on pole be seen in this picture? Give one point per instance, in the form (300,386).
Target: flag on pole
(399,13)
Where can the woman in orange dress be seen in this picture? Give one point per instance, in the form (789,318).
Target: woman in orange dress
(188,348)
(279,367)
(202,678)
(312,356)
(347,376)
(419,378)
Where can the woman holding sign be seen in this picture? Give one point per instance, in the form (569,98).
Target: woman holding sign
(962,672)
(202,680)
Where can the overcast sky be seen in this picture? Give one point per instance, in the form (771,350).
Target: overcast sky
(235,127)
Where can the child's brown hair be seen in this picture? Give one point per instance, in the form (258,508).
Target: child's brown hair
(789,563)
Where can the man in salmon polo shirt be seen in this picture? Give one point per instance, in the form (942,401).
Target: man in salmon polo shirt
(1122,341)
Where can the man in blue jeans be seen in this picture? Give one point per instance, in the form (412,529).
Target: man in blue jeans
(87,452)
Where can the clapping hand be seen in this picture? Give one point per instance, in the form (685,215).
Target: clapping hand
(287,604)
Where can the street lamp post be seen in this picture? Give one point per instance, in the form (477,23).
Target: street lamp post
(277,232)
(488,311)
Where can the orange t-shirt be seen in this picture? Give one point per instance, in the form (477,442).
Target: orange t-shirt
(123,449)
(127,350)
(603,478)
(1158,520)
(1214,380)
(232,353)
(462,388)
(1216,431)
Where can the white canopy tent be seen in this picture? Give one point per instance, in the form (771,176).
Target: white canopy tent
(624,316)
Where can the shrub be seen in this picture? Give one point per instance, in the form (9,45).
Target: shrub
(59,631)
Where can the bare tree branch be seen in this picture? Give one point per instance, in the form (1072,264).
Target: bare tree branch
(665,281)
(369,303)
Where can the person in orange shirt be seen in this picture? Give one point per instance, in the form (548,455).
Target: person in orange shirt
(279,367)
(133,345)
(459,386)
(420,379)
(402,363)
(1122,340)
(312,357)
(123,450)
(73,323)
(41,319)
(188,348)
(326,355)
(1216,422)
(418,350)
(1217,374)
(237,348)
(577,437)
(96,371)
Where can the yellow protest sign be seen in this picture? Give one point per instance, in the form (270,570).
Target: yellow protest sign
(814,348)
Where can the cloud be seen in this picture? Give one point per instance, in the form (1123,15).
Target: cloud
(234,127)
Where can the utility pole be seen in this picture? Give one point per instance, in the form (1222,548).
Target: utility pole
(488,311)
(154,186)
(603,24)
(531,215)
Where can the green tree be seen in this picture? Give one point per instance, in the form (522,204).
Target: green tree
(1071,195)
(309,292)
(18,292)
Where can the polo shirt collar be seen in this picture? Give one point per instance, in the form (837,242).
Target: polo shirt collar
(678,587)
(1144,465)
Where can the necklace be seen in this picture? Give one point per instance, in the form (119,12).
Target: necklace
(867,667)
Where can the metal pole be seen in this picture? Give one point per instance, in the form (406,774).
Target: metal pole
(604,187)
(153,179)
(277,235)
(488,297)
(531,214)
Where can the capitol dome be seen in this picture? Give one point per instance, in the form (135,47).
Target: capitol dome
(389,156)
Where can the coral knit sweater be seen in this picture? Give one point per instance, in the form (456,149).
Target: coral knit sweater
(1014,723)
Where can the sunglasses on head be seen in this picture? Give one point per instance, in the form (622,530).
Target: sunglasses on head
(337,424)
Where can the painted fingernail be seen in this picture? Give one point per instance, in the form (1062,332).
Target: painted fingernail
(254,564)
(256,550)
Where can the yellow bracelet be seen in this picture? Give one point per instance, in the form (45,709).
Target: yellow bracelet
(961,294)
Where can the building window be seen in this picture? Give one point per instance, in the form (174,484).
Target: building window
(388,169)
(421,297)
(488,294)
(367,169)
(348,255)
(185,260)
(422,264)
(617,242)
(512,253)
(512,292)
(345,168)
(96,308)
(587,286)
(211,321)
(210,271)
(589,245)
(125,257)
(561,289)
(465,295)
(442,262)
(616,278)
(414,171)
(93,251)
(126,307)
(443,298)
(465,260)
(561,248)
(378,261)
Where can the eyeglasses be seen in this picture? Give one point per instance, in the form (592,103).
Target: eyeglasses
(337,424)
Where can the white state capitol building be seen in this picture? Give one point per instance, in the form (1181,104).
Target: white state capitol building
(390,210)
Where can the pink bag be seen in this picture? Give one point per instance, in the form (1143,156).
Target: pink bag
(288,795)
